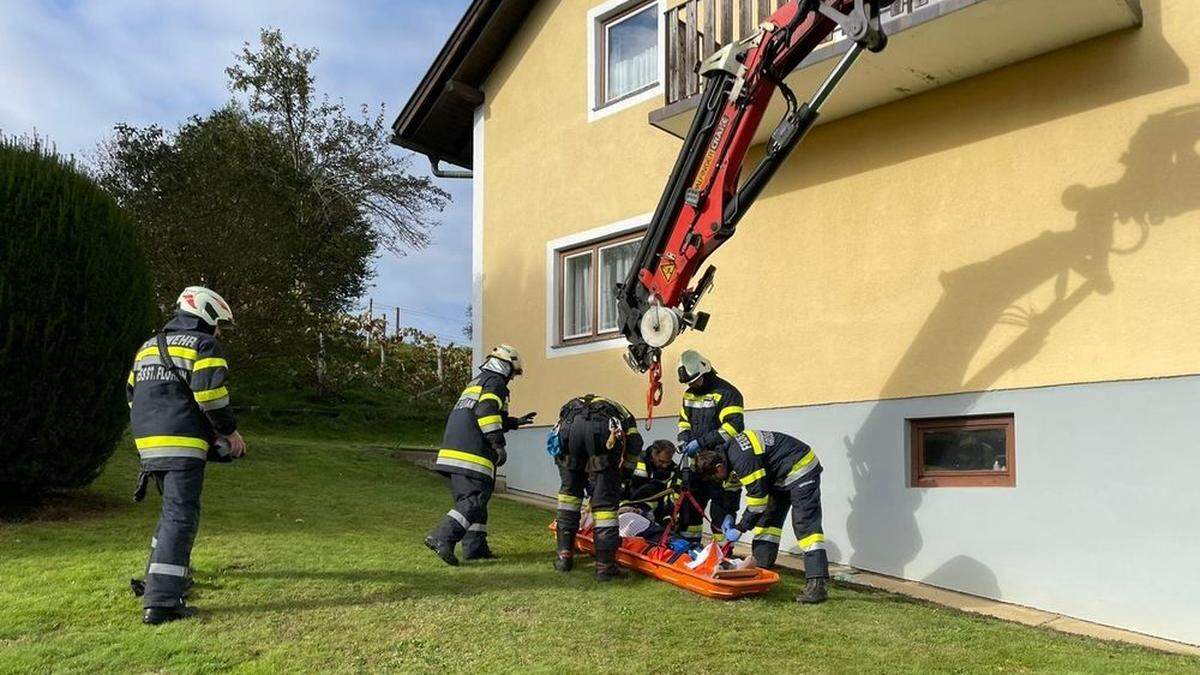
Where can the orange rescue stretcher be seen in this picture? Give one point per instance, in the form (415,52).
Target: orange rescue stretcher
(707,578)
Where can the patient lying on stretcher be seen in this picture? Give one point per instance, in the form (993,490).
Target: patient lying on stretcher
(638,521)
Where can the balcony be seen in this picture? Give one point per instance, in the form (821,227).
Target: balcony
(933,43)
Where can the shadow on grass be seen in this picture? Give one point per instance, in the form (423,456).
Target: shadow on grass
(408,585)
(63,506)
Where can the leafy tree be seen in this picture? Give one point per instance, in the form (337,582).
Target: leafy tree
(279,203)
(348,159)
(75,303)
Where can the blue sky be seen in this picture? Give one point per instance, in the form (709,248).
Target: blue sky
(72,69)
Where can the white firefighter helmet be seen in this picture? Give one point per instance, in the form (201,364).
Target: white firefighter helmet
(692,366)
(205,304)
(509,355)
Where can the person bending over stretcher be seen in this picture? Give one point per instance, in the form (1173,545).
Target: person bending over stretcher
(655,473)
(779,473)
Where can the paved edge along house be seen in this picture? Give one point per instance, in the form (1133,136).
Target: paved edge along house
(973,289)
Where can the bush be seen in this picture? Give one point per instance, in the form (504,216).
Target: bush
(75,303)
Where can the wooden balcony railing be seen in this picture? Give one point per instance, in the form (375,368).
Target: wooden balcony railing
(698,28)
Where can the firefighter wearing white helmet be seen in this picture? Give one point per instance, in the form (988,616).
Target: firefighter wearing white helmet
(473,447)
(205,304)
(710,416)
(179,410)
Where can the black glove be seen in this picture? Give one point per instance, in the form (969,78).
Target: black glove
(501,457)
(143,482)
(526,419)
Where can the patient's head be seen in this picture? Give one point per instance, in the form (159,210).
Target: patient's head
(662,454)
(711,466)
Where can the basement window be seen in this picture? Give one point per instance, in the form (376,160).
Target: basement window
(587,276)
(973,451)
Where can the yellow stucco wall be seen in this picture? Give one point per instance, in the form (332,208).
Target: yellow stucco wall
(954,241)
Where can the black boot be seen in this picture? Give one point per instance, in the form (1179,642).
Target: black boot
(484,553)
(156,615)
(607,568)
(814,592)
(444,550)
(565,561)
(609,571)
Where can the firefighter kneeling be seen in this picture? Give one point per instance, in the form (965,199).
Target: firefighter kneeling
(591,435)
(779,473)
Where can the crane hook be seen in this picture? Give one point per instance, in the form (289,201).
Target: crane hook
(655,392)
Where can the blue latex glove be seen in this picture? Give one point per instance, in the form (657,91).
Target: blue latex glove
(678,544)
(732,534)
(727,523)
(691,448)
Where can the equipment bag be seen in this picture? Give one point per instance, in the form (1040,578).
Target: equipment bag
(553,443)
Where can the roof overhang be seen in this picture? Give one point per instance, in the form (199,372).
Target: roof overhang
(939,43)
(437,120)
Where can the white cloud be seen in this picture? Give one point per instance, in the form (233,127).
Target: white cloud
(71,70)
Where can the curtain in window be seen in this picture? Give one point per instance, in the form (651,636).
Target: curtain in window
(577,296)
(614,265)
(632,53)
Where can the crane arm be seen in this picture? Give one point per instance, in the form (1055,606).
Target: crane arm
(705,196)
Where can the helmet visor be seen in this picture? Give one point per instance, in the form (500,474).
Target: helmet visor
(687,378)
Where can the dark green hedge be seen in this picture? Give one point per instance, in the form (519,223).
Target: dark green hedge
(75,302)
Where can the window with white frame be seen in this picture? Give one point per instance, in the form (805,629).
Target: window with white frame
(626,43)
(587,279)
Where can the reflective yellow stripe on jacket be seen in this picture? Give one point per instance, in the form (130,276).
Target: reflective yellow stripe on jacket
(166,447)
(753,476)
(181,352)
(203,364)
(457,456)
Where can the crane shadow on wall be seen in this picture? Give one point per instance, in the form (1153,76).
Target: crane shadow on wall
(1161,181)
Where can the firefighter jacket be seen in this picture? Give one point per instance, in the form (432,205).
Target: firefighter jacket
(173,424)
(476,426)
(767,462)
(711,414)
(608,416)
(646,472)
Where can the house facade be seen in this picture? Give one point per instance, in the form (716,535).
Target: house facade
(974,289)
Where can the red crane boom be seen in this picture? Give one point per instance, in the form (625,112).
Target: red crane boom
(705,196)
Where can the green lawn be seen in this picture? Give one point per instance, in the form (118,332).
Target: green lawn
(310,558)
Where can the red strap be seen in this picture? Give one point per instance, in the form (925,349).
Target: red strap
(662,541)
(655,393)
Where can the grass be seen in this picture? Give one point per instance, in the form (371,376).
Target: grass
(310,558)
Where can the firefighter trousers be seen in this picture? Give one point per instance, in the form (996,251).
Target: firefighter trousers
(606,498)
(804,500)
(718,501)
(168,572)
(467,520)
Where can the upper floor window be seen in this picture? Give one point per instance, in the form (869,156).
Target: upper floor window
(587,277)
(626,59)
(963,452)
(630,49)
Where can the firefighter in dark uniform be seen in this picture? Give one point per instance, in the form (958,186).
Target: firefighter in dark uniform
(655,474)
(179,410)
(472,450)
(711,415)
(779,473)
(594,435)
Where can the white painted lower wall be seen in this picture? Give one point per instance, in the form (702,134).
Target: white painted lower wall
(1104,524)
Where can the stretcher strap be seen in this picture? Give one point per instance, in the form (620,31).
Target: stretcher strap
(687,494)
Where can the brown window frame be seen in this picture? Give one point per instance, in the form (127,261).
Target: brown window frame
(602,24)
(922,478)
(592,248)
